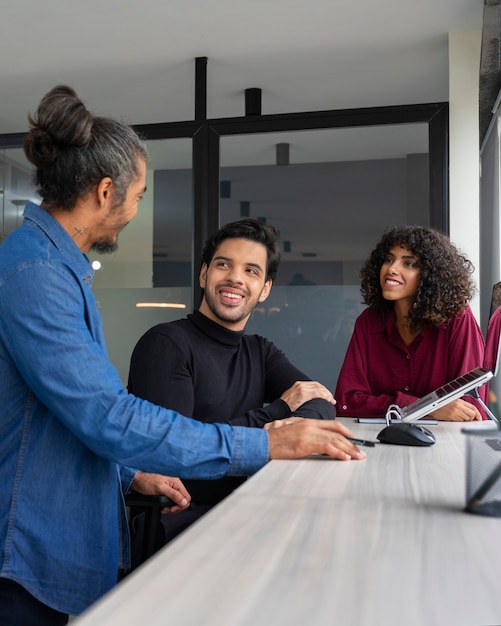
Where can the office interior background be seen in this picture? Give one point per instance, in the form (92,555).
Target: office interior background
(332,121)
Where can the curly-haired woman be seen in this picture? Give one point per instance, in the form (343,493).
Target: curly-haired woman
(418,331)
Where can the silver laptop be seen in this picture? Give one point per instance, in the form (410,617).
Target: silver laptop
(449,392)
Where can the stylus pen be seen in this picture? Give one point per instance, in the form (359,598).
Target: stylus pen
(361,442)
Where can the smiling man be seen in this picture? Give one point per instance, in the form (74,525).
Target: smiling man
(205,366)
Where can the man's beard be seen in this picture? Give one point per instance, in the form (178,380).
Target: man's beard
(105,246)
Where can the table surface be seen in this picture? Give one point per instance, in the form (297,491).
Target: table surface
(318,541)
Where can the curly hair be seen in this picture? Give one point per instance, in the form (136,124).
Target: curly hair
(445,285)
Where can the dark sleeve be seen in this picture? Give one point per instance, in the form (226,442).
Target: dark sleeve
(161,373)
(257,418)
(318,408)
(281,374)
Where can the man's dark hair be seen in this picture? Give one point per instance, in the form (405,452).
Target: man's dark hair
(252,230)
(72,150)
(445,284)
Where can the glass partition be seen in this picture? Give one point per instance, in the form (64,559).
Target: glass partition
(330,181)
(148,279)
(331,193)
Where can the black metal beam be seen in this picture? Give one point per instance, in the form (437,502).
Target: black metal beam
(200,89)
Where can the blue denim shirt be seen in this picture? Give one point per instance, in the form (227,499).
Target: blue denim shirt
(66,422)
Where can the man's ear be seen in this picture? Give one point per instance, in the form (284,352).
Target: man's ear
(104,191)
(203,276)
(266,290)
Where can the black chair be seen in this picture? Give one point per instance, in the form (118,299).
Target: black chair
(145,524)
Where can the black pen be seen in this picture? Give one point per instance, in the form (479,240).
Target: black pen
(361,442)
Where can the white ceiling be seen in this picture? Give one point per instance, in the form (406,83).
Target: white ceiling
(135,60)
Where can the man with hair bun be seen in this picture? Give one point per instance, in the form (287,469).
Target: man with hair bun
(69,430)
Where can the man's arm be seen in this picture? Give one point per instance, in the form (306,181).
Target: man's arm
(308,398)
(303,396)
(162,371)
(92,404)
(305,437)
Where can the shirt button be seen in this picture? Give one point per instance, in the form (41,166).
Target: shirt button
(406,389)
(408,356)
(345,408)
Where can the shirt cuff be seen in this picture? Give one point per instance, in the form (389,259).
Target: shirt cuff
(127,475)
(277,410)
(250,450)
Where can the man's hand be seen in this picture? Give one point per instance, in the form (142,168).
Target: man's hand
(159,485)
(309,436)
(457,411)
(304,390)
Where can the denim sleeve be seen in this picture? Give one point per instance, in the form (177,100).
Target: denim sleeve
(51,330)
(127,475)
(247,460)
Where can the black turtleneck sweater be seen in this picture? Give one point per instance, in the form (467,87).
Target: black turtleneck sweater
(205,371)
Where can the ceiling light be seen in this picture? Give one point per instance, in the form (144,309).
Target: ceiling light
(159,305)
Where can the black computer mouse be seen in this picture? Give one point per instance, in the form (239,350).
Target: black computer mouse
(406,434)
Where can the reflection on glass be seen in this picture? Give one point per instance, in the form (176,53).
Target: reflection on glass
(330,194)
(155,248)
(124,322)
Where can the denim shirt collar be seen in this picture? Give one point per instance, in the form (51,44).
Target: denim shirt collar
(60,238)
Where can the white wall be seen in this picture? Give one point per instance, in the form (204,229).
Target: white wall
(464,68)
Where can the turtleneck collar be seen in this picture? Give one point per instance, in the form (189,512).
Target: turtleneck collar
(215,330)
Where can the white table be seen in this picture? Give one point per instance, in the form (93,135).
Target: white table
(384,541)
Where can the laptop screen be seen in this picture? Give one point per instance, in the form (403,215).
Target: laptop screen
(461,385)
(452,390)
